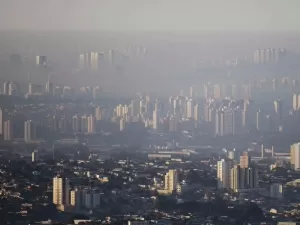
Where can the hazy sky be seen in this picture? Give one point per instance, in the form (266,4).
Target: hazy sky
(151,14)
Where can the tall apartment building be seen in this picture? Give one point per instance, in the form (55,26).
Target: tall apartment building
(91,124)
(269,55)
(245,160)
(224,173)
(243,178)
(233,154)
(190,108)
(295,156)
(122,124)
(237,178)
(98,113)
(8,130)
(61,191)
(84,198)
(155,120)
(228,122)
(171,180)
(29,131)
(296,102)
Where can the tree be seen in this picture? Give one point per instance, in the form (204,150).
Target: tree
(193,177)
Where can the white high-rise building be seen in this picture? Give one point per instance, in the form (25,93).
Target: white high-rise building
(171,180)
(278,108)
(296,102)
(91,124)
(30,89)
(120,110)
(35,156)
(196,113)
(155,120)
(98,113)
(189,108)
(61,191)
(29,131)
(232,154)
(191,92)
(6,87)
(122,124)
(224,173)
(94,60)
(8,130)
(259,120)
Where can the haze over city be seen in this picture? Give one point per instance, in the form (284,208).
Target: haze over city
(149,112)
(176,15)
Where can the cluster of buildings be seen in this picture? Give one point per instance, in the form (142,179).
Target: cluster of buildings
(222,91)
(113,58)
(68,199)
(238,174)
(7,130)
(237,177)
(227,116)
(40,60)
(6,127)
(269,55)
(218,116)
(49,89)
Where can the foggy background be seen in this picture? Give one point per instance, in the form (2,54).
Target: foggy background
(150,15)
(180,36)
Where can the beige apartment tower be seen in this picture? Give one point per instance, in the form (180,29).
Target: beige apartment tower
(295,156)
(61,191)
(224,173)
(171,180)
(245,160)
(8,130)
